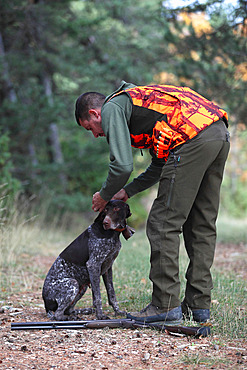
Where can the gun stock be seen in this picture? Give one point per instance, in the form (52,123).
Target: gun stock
(196,331)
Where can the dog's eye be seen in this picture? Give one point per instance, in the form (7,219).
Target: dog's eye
(116,209)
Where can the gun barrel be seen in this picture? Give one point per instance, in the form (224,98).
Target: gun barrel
(82,324)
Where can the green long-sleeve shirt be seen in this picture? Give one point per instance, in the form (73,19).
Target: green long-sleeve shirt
(116,115)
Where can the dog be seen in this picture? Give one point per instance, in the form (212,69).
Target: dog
(81,264)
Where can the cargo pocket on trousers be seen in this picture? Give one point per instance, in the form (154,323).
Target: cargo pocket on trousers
(170,191)
(165,193)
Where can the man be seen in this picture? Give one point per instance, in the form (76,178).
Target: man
(188,141)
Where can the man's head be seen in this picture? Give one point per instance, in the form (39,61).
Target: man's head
(88,112)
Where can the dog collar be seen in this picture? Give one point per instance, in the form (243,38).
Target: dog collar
(120,230)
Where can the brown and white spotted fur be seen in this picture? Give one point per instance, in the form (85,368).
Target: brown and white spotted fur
(82,263)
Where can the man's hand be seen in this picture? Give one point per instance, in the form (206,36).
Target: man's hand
(98,203)
(121,195)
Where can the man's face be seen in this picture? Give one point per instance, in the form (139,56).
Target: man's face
(93,123)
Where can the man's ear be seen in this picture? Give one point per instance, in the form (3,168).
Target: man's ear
(94,112)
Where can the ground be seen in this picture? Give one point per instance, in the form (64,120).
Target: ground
(113,348)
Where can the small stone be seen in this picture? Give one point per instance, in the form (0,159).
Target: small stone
(146,356)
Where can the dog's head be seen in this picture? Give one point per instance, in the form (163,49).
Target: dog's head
(114,217)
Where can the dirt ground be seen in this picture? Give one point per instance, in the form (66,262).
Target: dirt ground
(113,348)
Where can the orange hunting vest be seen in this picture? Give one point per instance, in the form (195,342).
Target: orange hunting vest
(165,116)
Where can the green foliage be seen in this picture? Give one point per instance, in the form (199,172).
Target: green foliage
(234,202)
(214,54)
(138,210)
(54,51)
(233,194)
(9,185)
(232,230)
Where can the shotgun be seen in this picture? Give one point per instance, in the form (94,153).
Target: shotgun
(201,331)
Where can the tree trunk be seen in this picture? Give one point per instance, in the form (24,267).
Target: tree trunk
(12,97)
(9,89)
(56,151)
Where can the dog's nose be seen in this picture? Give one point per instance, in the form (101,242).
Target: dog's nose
(107,223)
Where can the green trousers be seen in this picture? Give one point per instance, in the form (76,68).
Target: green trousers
(187,202)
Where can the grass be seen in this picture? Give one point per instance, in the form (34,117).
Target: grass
(22,239)
(192,361)
(231,230)
(131,271)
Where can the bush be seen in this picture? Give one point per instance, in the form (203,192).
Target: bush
(9,185)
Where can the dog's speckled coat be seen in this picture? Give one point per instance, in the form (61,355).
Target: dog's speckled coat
(80,264)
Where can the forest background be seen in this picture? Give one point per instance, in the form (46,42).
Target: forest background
(52,51)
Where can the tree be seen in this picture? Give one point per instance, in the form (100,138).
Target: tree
(52,51)
(211,53)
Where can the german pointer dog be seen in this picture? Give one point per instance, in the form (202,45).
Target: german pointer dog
(81,264)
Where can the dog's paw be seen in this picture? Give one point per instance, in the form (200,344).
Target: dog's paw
(73,317)
(51,315)
(85,311)
(120,313)
(102,317)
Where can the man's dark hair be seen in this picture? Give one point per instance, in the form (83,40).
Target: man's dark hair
(89,100)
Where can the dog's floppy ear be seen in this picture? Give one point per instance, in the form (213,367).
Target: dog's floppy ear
(128,232)
(101,216)
(128,211)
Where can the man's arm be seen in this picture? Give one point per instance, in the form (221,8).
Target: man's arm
(115,117)
(115,126)
(144,181)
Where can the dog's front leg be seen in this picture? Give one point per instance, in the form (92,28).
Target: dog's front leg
(108,281)
(94,270)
